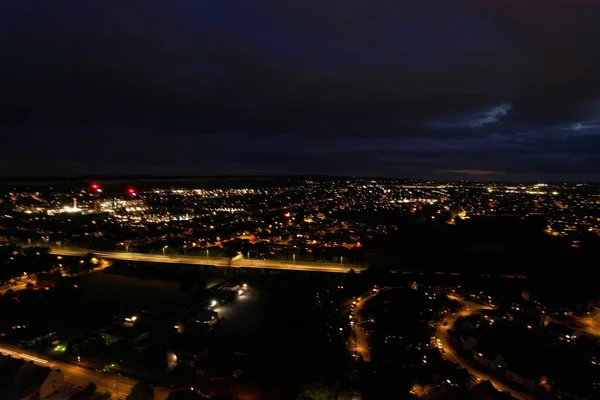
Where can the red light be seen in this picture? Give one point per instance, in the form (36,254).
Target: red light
(131,191)
(95,186)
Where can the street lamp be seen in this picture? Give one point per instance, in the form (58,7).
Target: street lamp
(164,248)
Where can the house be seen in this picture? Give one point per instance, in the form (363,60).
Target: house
(48,280)
(527,320)
(524,374)
(44,381)
(486,391)
(22,379)
(469,343)
(468,324)
(561,332)
(488,356)
(493,315)
(208,317)
(13,370)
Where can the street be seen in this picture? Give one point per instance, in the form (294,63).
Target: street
(589,324)
(4,289)
(21,284)
(362,341)
(119,386)
(470,308)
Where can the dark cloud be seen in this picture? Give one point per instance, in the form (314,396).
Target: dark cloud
(476,172)
(355,87)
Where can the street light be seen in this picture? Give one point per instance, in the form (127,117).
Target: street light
(164,248)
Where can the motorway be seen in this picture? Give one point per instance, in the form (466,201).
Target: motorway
(119,386)
(470,308)
(217,262)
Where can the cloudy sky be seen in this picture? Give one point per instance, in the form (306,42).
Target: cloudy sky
(426,88)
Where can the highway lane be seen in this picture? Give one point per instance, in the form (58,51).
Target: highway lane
(470,308)
(217,262)
(119,386)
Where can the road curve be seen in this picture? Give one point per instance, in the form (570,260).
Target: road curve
(362,341)
(217,262)
(470,308)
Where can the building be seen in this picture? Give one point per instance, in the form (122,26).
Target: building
(468,343)
(526,320)
(45,381)
(29,337)
(561,332)
(486,391)
(116,333)
(524,374)
(20,379)
(488,356)
(493,315)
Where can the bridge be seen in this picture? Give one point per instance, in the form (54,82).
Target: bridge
(212,261)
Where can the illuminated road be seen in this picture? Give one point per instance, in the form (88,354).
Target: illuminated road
(469,308)
(20,286)
(15,288)
(217,262)
(119,386)
(362,342)
(589,324)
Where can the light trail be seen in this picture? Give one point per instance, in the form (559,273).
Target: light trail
(217,262)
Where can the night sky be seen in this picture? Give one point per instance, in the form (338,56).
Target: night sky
(437,89)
